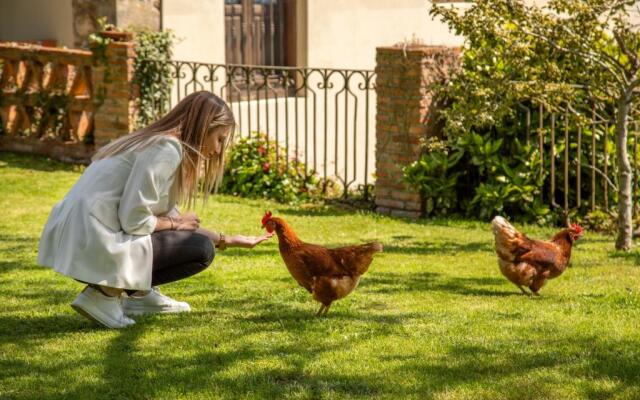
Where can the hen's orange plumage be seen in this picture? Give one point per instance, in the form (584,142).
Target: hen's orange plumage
(328,274)
(528,262)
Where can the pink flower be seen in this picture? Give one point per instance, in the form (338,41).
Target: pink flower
(266,167)
(262,150)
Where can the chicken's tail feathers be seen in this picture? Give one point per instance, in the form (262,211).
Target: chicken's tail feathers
(501,225)
(508,238)
(376,247)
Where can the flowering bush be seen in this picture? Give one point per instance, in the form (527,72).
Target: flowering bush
(252,171)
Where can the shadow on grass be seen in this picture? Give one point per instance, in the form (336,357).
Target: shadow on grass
(388,282)
(507,365)
(15,246)
(212,367)
(164,357)
(263,250)
(132,369)
(34,162)
(633,255)
(27,327)
(314,211)
(439,247)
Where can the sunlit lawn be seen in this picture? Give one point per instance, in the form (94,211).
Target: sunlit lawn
(433,318)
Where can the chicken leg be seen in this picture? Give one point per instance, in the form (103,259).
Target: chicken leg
(323,310)
(523,291)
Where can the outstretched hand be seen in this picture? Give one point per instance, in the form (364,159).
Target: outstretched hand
(250,241)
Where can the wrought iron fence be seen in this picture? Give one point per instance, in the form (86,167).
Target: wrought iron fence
(577,143)
(323,117)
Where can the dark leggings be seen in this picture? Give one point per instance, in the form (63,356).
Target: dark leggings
(179,254)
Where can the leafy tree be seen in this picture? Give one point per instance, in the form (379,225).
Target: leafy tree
(522,51)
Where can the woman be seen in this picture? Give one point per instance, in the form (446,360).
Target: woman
(118,229)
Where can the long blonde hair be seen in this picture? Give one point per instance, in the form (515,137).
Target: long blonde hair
(189,121)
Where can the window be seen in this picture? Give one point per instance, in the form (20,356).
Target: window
(260,32)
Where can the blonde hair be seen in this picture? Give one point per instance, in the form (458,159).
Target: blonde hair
(189,121)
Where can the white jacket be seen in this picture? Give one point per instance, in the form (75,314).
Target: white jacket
(100,231)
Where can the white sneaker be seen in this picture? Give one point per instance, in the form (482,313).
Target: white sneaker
(151,303)
(98,307)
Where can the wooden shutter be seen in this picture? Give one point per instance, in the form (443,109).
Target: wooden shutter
(257,32)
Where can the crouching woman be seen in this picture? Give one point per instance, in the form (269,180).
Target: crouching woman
(118,229)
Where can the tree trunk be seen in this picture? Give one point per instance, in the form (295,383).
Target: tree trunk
(625,217)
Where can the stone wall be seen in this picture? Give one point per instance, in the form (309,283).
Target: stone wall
(138,14)
(124,14)
(85,18)
(406,114)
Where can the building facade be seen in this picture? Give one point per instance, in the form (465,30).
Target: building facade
(316,33)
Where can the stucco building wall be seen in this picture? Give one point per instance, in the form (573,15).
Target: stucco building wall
(45,19)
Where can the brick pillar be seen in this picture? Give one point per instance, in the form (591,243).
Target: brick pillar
(405,110)
(116,112)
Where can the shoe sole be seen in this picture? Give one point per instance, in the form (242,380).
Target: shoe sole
(137,311)
(85,314)
(78,307)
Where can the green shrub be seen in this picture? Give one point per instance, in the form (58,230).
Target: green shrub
(480,176)
(599,220)
(433,175)
(252,171)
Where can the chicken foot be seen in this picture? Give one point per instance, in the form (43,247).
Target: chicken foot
(323,310)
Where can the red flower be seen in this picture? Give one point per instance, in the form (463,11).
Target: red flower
(262,150)
(266,167)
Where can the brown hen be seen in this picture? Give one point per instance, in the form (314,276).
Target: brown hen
(328,274)
(528,262)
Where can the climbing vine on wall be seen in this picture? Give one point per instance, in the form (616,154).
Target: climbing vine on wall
(153,74)
(98,45)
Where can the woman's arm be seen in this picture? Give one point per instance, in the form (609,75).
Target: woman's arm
(150,177)
(163,224)
(247,242)
(182,222)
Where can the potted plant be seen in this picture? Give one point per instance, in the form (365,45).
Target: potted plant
(112,32)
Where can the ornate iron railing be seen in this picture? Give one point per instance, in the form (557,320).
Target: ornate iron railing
(323,117)
(577,144)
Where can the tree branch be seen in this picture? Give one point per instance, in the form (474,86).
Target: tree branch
(612,60)
(620,78)
(629,93)
(623,46)
(599,172)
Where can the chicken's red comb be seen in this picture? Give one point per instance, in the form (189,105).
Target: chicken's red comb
(267,217)
(577,228)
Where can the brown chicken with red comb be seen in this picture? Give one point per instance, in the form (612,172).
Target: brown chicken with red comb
(528,262)
(328,274)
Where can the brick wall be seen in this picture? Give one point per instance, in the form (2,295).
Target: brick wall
(116,113)
(406,113)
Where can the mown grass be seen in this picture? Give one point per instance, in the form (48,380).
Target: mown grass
(433,318)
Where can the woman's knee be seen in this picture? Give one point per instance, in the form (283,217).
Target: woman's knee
(206,250)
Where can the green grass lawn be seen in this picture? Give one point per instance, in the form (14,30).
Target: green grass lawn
(433,317)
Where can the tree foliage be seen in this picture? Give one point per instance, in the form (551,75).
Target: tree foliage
(551,55)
